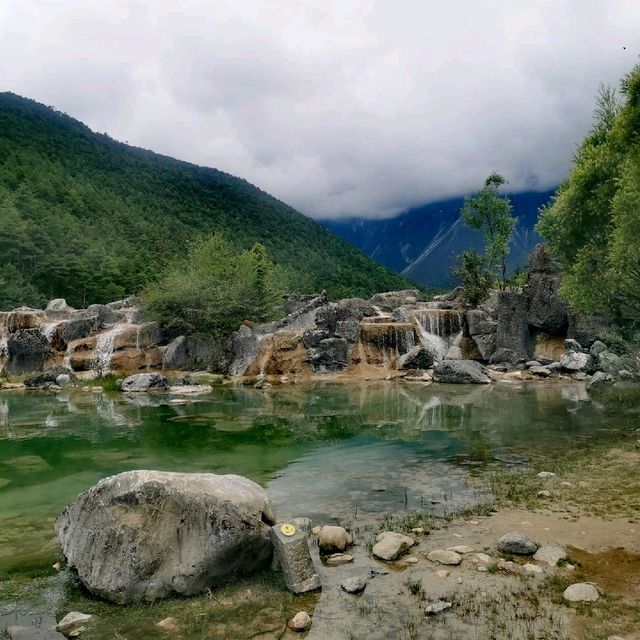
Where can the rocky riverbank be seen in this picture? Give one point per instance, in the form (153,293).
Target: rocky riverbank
(515,335)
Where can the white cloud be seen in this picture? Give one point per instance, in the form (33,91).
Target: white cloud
(351,107)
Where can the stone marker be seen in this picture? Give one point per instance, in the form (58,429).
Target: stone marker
(292,549)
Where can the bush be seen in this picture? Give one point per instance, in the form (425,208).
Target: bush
(215,288)
(475,276)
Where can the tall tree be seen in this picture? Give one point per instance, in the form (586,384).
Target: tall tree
(491,213)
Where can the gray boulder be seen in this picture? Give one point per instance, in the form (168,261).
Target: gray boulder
(74,329)
(587,329)
(142,535)
(244,349)
(145,382)
(331,354)
(313,337)
(209,352)
(513,328)
(517,543)
(572,345)
(600,378)
(27,351)
(547,311)
(508,356)
(48,377)
(58,309)
(176,355)
(480,323)
(416,358)
(609,362)
(460,372)
(103,315)
(576,361)
(486,345)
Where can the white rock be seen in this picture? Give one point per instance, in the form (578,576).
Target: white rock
(444,557)
(550,554)
(458,580)
(411,560)
(461,548)
(391,545)
(442,573)
(72,623)
(437,607)
(417,530)
(580,592)
(483,557)
(338,559)
(300,622)
(544,494)
(546,474)
(532,568)
(482,568)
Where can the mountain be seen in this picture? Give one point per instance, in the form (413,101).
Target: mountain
(90,219)
(422,243)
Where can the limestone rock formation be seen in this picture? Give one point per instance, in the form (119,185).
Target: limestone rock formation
(142,535)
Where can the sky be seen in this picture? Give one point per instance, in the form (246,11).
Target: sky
(339,108)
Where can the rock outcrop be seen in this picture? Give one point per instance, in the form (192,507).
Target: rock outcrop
(142,535)
(460,372)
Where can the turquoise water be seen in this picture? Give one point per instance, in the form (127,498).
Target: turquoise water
(324,450)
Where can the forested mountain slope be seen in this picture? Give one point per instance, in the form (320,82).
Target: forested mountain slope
(90,219)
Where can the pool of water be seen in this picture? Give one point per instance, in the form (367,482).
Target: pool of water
(323,450)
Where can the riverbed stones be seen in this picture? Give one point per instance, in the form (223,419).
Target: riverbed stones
(550,554)
(460,372)
(442,556)
(300,622)
(390,545)
(140,382)
(332,538)
(142,535)
(580,592)
(73,624)
(292,551)
(517,543)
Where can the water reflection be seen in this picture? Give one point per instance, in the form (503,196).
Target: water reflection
(325,450)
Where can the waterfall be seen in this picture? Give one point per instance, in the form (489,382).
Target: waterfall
(103,353)
(437,329)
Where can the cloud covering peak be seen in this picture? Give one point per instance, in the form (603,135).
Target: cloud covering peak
(352,107)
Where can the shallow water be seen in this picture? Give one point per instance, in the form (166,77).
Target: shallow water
(324,450)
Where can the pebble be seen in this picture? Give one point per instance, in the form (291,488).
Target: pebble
(437,607)
(73,624)
(532,569)
(338,559)
(544,494)
(474,522)
(546,474)
(410,560)
(482,568)
(483,557)
(442,573)
(458,580)
(56,567)
(580,592)
(444,557)
(300,622)
(357,584)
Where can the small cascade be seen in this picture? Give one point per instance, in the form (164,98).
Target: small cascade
(103,353)
(437,329)
(381,343)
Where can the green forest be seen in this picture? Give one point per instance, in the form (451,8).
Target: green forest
(593,223)
(90,219)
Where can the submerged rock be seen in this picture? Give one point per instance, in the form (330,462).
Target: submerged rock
(460,372)
(142,535)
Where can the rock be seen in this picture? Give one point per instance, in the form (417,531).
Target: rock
(504,356)
(169,624)
(513,328)
(49,377)
(244,349)
(438,606)
(63,379)
(517,543)
(444,557)
(56,567)
(550,554)
(418,530)
(331,354)
(391,545)
(460,372)
(546,309)
(572,345)
(312,338)
(461,548)
(480,323)
(486,345)
(116,534)
(356,584)
(580,592)
(262,384)
(600,378)
(391,300)
(532,569)
(532,363)
(544,494)
(410,560)
(338,559)
(609,362)
(443,573)
(27,351)
(58,309)
(597,348)
(333,538)
(542,372)
(416,358)
(145,382)
(292,552)
(483,557)
(546,474)
(575,361)
(300,622)
(587,329)
(23,318)
(176,355)
(73,329)
(73,623)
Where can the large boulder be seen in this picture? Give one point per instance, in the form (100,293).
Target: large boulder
(587,329)
(331,354)
(418,357)
(145,382)
(48,377)
(27,351)
(143,535)
(513,328)
(547,311)
(460,372)
(69,330)
(176,354)
(482,329)
(576,361)
(58,309)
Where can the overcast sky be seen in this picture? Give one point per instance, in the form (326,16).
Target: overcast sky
(346,107)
